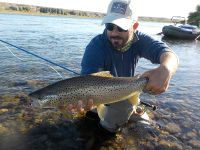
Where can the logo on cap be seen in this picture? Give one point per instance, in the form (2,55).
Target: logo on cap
(119,7)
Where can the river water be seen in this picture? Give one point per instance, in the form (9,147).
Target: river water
(63,40)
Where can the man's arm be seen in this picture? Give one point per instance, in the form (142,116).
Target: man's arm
(159,77)
(170,61)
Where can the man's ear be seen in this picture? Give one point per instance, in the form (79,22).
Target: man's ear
(135,25)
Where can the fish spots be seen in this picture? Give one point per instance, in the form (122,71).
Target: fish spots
(100,89)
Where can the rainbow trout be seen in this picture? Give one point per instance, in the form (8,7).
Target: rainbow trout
(101,87)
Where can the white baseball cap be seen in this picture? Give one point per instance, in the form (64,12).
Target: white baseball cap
(121,13)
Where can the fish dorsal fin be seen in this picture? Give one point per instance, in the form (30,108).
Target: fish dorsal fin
(102,74)
(134,100)
(101,110)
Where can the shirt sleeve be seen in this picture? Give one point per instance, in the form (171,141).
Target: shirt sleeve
(93,58)
(151,49)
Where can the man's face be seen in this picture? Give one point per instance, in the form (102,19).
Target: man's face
(117,37)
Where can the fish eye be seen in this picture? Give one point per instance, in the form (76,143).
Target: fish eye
(31,103)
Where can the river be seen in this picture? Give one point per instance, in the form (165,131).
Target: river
(63,40)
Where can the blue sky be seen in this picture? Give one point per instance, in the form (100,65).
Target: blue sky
(151,8)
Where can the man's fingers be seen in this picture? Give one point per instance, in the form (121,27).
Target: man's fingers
(70,108)
(89,105)
(80,106)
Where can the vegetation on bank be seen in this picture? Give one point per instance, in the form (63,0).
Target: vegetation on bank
(27,9)
(194,17)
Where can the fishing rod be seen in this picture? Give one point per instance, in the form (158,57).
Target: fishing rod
(63,67)
(45,59)
(154,107)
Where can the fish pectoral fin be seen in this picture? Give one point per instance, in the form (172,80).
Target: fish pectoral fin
(134,100)
(66,114)
(102,74)
(101,110)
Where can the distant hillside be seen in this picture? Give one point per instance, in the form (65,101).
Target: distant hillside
(28,9)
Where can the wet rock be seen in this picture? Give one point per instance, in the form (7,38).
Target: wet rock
(187,123)
(166,145)
(7,105)
(187,147)
(199,133)
(195,143)
(53,137)
(3,110)
(44,129)
(13,140)
(23,98)
(35,82)
(191,134)
(173,128)
(172,138)
(3,129)
(143,129)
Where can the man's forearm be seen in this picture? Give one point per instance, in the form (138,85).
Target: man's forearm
(170,61)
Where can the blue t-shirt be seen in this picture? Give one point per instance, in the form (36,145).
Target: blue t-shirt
(100,55)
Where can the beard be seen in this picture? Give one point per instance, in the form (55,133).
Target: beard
(117,42)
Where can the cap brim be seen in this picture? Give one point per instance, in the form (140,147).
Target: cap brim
(124,23)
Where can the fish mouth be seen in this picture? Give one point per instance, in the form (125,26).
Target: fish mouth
(34,102)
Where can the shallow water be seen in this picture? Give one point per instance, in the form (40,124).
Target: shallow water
(61,39)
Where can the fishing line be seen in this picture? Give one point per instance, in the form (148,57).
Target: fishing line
(45,59)
(33,62)
(198,37)
(40,57)
(12,52)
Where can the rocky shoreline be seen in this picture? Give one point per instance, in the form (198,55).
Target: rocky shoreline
(23,127)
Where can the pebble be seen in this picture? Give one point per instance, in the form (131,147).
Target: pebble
(3,110)
(3,129)
(195,143)
(191,135)
(35,82)
(46,130)
(163,144)
(173,128)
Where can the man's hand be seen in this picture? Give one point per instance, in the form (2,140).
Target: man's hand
(81,106)
(159,79)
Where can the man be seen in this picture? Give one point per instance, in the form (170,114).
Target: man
(118,50)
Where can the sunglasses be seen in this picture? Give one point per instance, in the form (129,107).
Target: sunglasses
(110,27)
